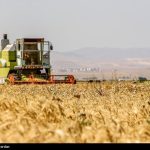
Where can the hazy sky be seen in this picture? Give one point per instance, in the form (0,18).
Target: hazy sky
(72,24)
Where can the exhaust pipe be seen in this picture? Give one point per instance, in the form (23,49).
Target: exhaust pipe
(4,41)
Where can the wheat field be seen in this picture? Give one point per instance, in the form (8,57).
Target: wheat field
(116,112)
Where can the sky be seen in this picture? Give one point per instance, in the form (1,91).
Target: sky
(75,24)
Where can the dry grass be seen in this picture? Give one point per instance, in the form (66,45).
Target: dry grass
(85,112)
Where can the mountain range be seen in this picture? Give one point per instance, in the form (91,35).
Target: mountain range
(106,59)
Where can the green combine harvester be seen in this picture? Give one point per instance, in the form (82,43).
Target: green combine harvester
(28,61)
(27,58)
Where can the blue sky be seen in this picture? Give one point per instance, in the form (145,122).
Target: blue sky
(73,24)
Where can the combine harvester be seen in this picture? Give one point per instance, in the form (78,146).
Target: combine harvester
(28,62)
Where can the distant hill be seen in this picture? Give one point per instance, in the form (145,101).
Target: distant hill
(112,53)
(103,58)
(96,56)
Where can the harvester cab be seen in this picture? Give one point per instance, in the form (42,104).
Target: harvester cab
(28,61)
(33,56)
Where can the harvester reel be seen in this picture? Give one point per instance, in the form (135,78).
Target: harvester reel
(11,79)
(31,78)
(51,79)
